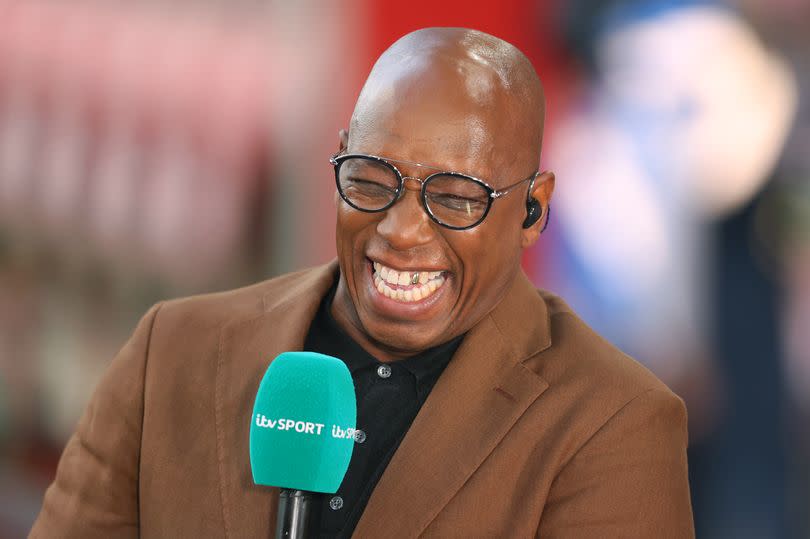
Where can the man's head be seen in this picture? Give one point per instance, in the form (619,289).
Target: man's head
(456,100)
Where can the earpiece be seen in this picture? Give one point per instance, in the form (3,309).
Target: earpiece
(534,211)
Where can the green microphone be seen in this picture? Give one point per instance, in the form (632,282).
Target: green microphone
(302,433)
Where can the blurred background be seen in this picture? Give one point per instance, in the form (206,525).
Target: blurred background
(157,149)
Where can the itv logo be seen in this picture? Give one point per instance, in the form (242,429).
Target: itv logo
(303,427)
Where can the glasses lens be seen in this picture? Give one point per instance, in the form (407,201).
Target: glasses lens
(367,184)
(455,200)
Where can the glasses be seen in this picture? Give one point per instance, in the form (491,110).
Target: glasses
(454,200)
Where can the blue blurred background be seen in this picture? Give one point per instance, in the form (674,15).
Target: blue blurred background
(158,149)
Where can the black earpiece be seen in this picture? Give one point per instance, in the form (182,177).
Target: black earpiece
(534,211)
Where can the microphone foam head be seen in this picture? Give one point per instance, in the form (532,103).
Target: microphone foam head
(303,423)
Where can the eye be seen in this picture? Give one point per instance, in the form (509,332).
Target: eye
(368,188)
(457,203)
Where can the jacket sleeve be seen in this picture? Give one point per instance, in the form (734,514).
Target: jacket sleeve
(629,479)
(95,493)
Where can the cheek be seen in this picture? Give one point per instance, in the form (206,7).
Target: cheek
(345,232)
(346,224)
(351,226)
(493,242)
(490,257)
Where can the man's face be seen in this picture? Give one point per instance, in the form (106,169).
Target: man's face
(476,265)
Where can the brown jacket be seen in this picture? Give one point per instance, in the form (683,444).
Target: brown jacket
(538,427)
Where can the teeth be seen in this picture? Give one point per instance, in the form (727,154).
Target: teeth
(388,282)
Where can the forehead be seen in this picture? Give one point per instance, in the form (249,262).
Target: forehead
(438,118)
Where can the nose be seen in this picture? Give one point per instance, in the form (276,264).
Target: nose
(405,225)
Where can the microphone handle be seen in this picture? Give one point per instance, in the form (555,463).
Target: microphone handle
(295,514)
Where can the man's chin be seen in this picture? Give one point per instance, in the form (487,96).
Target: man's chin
(399,342)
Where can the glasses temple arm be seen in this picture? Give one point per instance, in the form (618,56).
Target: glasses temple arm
(508,188)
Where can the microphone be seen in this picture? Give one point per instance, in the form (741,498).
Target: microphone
(302,434)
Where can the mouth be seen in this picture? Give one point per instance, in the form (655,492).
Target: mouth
(406,286)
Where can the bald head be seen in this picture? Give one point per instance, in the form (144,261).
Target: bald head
(469,95)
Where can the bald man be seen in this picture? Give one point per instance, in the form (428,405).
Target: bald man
(486,408)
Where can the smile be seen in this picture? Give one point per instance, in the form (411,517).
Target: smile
(406,286)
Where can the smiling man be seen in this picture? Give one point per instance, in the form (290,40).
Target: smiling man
(486,408)
(462,102)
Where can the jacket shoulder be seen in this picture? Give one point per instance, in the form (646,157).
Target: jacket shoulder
(216,308)
(584,362)
(593,387)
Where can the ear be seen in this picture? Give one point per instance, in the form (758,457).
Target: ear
(343,143)
(542,189)
(343,135)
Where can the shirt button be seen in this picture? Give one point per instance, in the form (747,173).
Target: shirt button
(384,371)
(359,436)
(336,503)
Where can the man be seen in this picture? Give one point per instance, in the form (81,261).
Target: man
(486,408)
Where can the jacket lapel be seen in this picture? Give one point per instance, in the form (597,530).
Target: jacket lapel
(246,348)
(478,398)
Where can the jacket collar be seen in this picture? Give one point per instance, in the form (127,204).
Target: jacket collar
(485,388)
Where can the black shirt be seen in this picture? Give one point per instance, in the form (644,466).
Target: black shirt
(389,395)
